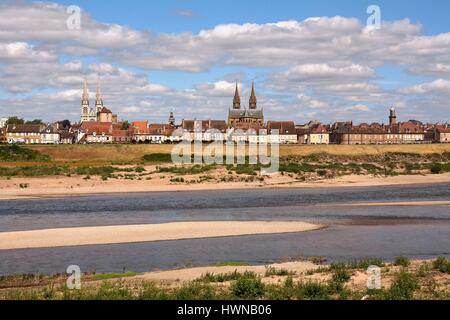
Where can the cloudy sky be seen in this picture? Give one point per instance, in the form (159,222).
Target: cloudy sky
(310,60)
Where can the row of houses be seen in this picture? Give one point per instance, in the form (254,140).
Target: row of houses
(36,134)
(283,132)
(189,130)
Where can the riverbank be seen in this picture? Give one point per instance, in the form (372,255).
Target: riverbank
(296,280)
(63,237)
(63,186)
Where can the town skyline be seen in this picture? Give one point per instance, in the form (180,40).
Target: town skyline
(184,57)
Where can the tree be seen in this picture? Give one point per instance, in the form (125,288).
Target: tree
(35,121)
(65,124)
(125,125)
(15,120)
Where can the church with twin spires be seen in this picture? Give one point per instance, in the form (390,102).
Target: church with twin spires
(99,113)
(251,116)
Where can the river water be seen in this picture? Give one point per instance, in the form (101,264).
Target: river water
(351,233)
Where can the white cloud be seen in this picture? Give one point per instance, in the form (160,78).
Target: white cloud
(326,65)
(21,51)
(439,86)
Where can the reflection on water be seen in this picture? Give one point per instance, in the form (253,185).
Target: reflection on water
(354,232)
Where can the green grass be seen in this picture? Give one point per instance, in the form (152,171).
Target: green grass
(33,171)
(442,264)
(104,276)
(402,261)
(248,287)
(220,277)
(229,263)
(402,288)
(357,264)
(16,153)
(157,157)
(196,169)
(271,271)
(53,170)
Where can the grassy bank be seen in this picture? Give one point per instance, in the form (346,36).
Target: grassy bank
(134,153)
(297,163)
(401,280)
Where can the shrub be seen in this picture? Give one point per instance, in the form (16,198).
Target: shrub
(442,264)
(96,171)
(16,153)
(150,291)
(339,278)
(271,271)
(196,169)
(248,287)
(402,287)
(283,292)
(358,264)
(32,171)
(195,291)
(139,169)
(157,157)
(312,291)
(222,277)
(249,169)
(436,168)
(402,261)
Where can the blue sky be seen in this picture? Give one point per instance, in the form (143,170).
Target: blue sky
(175,57)
(163,16)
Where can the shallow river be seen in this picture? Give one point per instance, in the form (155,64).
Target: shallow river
(352,232)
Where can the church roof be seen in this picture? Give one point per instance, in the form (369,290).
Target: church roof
(105,110)
(190,125)
(246,113)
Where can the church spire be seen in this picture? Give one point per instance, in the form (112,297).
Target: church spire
(98,97)
(252,101)
(237,98)
(85,95)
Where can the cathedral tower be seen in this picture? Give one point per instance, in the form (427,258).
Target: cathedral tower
(237,98)
(252,100)
(392,117)
(84,103)
(171,119)
(98,98)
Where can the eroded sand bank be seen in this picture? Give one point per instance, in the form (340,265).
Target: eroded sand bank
(46,187)
(145,233)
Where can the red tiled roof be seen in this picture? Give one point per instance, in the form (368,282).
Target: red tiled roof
(89,127)
(443,128)
(25,128)
(284,127)
(121,133)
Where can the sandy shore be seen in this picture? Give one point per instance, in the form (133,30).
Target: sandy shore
(77,186)
(145,233)
(190,274)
